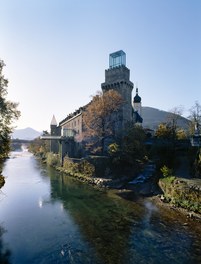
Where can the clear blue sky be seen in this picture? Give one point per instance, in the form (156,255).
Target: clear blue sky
(56,52)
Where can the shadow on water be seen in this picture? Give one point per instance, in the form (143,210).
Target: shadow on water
(4,252)
(105,223)
(126,232)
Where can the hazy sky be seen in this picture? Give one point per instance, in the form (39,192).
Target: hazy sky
(56,52)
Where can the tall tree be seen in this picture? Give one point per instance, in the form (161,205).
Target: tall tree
(99,117)
(172,120)
(195,117)
(169,129)
(8,112)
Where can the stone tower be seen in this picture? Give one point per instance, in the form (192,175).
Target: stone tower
(54,131)
(117,77)
(53,127)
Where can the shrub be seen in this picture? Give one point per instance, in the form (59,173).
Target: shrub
(166,171)
(86,168)
(113,149)
(82,167)
(53,159)
(69,166)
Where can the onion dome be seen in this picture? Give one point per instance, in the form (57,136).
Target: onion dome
(137,98)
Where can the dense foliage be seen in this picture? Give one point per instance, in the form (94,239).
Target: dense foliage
(131,152)
(8,112)
(98,118)
(39,147)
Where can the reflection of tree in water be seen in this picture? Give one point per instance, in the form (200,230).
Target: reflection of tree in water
(2,180)
(105,222)
(4,253)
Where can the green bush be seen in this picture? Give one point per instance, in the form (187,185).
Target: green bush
(166,171)
(53,159)
(86,168)
(82,167)
(113,149)
(69,166)
(178,192)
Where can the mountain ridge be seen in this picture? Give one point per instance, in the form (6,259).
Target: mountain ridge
(152,117)
(27,133)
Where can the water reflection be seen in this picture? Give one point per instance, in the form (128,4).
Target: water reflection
(60,220)
(124,232)
(4,251)
(105,223)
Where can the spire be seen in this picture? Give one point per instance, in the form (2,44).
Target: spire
(137,98)
(53,122)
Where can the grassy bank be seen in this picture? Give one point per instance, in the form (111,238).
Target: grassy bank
(185,193)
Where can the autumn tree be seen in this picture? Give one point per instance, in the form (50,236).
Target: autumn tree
(163,131)
(8,112)
(172,121)
(99,118)
(170,130)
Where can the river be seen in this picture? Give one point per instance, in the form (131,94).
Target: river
(47,217)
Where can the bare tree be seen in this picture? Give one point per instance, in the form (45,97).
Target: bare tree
(195,117)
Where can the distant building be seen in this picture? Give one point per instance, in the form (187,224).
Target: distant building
(72,125)
(117,78)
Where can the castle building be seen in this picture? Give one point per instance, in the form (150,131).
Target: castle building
(117,78)
(72,125)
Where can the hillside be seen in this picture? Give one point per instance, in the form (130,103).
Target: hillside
(152,117)
(26,133)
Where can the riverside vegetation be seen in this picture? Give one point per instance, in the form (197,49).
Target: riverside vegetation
(8,113)
(181,192)
(107,171)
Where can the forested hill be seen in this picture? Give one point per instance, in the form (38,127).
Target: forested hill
(152,117)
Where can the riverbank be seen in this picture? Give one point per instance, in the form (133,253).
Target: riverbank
(149,190)
(190,215)
(144,186)
(79,224)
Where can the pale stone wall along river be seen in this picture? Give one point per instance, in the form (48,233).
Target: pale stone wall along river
(46,217)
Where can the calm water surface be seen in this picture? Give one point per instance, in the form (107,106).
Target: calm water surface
(46,217)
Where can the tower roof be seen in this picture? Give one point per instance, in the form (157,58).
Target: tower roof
(53,122)
(137,98)
(117,59)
